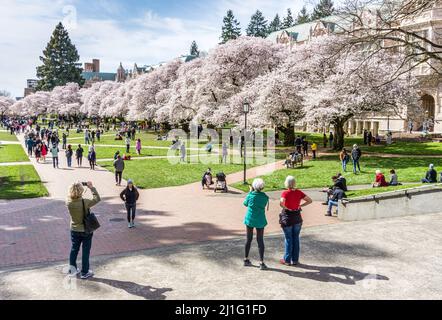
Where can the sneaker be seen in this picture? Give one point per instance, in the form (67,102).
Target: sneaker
(73,272)
(133,224)
(247,263)
(129,225)
(283,262)
(88,275)
(294,264)
(328,214)
(263,266)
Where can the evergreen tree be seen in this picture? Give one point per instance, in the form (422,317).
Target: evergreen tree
(60,62)
(323,9)
(231,29)
(303,16)
(257,26)
(275,25)
(288,20)
(194,49)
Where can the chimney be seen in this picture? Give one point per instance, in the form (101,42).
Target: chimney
(96,63)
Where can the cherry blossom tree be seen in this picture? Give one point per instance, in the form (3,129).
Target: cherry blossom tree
(66,100)
(5,104)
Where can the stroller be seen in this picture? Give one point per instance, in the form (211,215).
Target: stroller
(221,183)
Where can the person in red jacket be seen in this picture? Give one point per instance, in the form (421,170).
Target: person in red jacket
(380,180)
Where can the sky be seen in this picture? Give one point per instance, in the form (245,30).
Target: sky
(114,31)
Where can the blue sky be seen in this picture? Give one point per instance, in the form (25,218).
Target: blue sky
(145,32)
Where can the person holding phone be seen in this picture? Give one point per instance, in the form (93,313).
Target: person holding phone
(78,207)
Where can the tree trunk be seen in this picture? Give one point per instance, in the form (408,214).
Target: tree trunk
(289,135)
(339,141)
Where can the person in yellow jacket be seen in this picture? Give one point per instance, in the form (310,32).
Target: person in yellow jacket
(314,149)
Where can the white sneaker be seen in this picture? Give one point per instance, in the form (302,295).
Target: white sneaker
(88,275)
(129,225)
(72,271)
(133,224)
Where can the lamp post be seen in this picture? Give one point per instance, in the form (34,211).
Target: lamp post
(246,109)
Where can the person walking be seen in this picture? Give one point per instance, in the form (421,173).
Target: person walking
(69,155)
(78,208)
(138,147)
(324,140)
(128,141)
(79,155)
(305,145)
(314,149)
(119,168)
(345,158)
(331,139)
(44,151)
(98,135)
(256,203)
(370,138)
(356,155)
(130,196)
(183,152)
(54,153)
(225,152)
(86,137)
(292,201)
(92,157)
(64,139)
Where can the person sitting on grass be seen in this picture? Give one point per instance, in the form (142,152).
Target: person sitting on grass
(394,180)
(431,176)
(380,181)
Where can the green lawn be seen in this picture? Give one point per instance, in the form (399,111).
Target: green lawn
(12,153)
(398,147)
(20,182)
(318,173)
(157,173)
(374,191)
(6,136)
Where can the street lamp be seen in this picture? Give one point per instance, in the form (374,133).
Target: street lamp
(246,109)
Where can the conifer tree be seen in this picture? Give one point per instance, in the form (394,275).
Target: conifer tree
(231,28)
(303,16)
(323,9)
(194,49)
(60,62)
(257,26)
(275,25)
(288,20)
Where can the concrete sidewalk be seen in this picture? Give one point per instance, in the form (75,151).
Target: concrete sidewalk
(388,259)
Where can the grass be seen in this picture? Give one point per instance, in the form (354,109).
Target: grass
(398,147)
(374,191)
(6,136)
(108,152)
(317,174)
(20,182)
(157,173)
(12,153)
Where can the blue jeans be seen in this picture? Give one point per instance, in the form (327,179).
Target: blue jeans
(332,204)
(78,239)
(131,212)
(344,165)
(356,165)
(292,243)
(69,159)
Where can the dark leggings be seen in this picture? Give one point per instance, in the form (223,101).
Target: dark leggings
(259,238)
(131,212)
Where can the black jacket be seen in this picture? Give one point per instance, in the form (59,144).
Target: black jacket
(130,197)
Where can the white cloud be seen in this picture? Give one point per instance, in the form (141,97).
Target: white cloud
(25,28)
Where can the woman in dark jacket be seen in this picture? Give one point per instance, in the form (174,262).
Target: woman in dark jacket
(130,196)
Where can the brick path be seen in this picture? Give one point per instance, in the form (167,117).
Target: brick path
(37,230)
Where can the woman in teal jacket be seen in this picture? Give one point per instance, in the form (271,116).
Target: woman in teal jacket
(256,203)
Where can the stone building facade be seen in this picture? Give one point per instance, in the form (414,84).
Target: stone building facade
(429,25)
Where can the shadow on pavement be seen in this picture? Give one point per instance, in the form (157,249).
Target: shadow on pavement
(330,274)
(146,292)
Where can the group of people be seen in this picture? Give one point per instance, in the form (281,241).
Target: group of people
(355,156)
(257,202)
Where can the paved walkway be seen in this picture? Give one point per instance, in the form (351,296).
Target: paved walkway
(387,259)
(37,230)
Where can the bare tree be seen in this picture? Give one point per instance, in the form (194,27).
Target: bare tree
(377,25)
